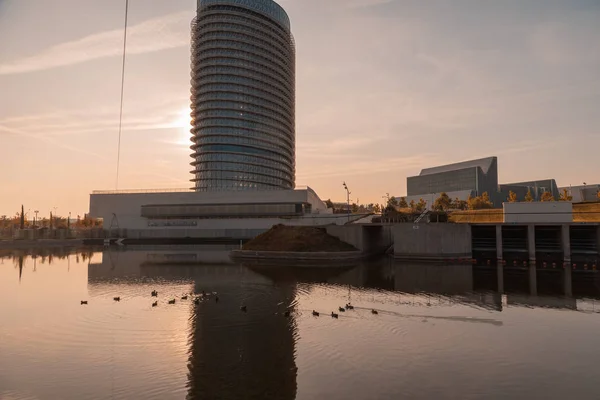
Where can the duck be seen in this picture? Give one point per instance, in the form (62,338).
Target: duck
(287,313)
(116,298)
(154,293)
(243,308)
(374,312)
(349,306)
(342,309)
(216,299)
(155,304)
(83,302)
(196,301)
(172,301)
(203,293)
(334,315)
(184,297)
(314,313)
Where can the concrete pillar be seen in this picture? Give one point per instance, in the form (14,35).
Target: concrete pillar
(566,242)
(499,251)
(598,239)
(500,273)
(531,241)
(532,279)
(568,282)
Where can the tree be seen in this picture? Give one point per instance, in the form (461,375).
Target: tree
(412,205)
(329,204)
(547,196)
(598,195)
(22,224)
(354,208)
(512,197)
(403,203)
(392,201)
(377,209)
(528,196)
(442,203)
(480,202)
(421,205)
(565,196)
(459,204)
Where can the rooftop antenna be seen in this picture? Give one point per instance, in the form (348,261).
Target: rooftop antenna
(122,92)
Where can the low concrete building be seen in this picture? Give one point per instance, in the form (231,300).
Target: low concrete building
(536,188)
(545,212)
(184,213)
(582,193)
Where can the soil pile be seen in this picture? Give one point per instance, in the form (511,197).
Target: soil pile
(303,239)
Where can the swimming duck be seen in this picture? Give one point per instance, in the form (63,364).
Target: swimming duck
(349,306)
(286,314)
(244,308)
(374,312)
(314,313)
(155,304)
(172,301)
(83,302)
(116,298)
(184,297)
(196,301)
(154,293)
(342,309)
(216,299)
(334,315)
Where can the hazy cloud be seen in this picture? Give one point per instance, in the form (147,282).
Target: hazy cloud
(169,31)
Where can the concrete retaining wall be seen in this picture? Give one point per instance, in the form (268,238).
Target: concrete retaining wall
(296,256)
(432,241)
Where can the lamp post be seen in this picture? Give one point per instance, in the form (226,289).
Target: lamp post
(347,199)
(35,220)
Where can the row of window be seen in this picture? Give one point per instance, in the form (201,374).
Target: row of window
(245,159)
(204,139)
(232,148)
(200,125)
(245,136)
(247,26)
(244,107)
(244,115)
(228,148)
(249,17)
(285,54)
(246,72)
(277,73)
(243,81)
(246,99)
(244,168)
(262,92)
(232,44)
(241,177)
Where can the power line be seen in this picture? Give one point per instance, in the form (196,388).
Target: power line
(122,93)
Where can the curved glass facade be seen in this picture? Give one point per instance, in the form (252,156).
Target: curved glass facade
(243,96)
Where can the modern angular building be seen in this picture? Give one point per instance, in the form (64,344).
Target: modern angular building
(536,188)
(243,96)
(459,180)
(582,193)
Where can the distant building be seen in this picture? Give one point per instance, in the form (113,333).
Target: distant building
(459,180)
(537,189)
(582,193)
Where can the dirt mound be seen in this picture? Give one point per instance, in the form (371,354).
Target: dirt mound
(297,239)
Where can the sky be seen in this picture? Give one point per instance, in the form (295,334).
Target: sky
(384,88)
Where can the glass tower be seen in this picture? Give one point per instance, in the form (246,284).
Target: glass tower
(243,96)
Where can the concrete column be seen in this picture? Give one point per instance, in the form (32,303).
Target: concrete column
(532,279)
(598,239)
(568,282)
(500,273)
(499,251)
(566,242)
(531,241)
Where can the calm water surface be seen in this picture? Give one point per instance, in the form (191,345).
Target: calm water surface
(441,332)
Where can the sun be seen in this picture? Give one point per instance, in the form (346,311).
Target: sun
(184,122)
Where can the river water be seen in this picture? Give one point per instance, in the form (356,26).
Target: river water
(441,332)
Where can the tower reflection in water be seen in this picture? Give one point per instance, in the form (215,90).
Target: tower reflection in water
(232,354)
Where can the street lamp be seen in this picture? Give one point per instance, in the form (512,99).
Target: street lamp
(347,199)
(35,220)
